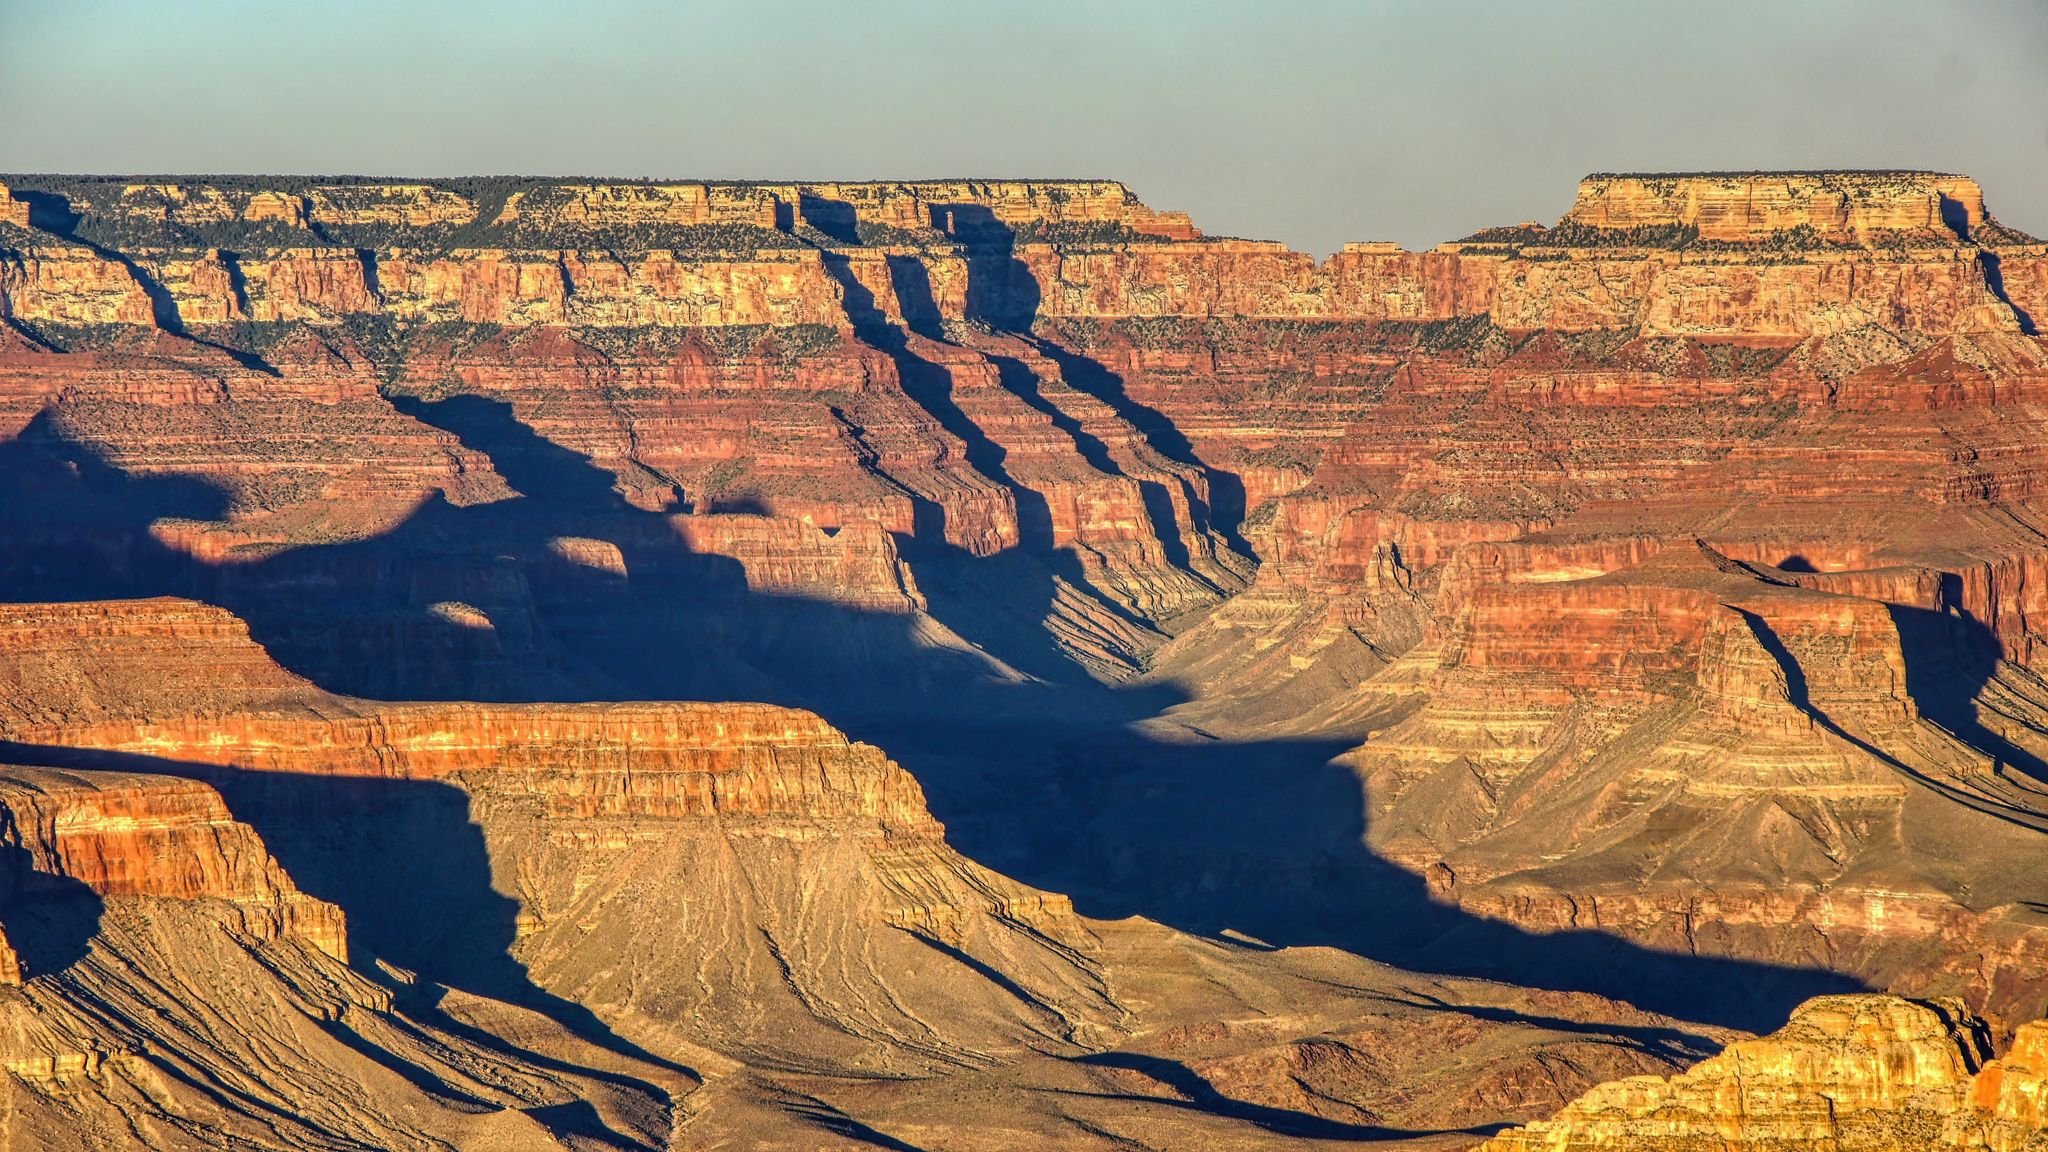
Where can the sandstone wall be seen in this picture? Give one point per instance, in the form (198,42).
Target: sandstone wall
(1872,249)
(132,834)
(1860,1072)
(1844,207)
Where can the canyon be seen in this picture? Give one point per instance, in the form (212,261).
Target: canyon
(505,662)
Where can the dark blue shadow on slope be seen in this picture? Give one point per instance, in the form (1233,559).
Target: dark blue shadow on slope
(1042,780)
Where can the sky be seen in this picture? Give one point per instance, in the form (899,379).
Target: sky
(1315,122)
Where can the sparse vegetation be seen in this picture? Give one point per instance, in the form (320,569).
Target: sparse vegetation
(1082,233)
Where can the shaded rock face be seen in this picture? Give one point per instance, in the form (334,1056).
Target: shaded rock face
(743,868)
(1848,1072)
(807,651)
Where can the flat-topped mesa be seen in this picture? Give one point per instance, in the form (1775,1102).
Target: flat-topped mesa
(487,212)
(605,206)
(80,661)
(965,209)
(1859,208)
(1024,207)
(665,761)
(408,205)
(1767,256)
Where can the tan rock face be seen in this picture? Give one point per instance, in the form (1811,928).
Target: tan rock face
(12,211)
(2011,1092)
(1861,1072)
(1844,208)
(780,847)
(1863,248)
(668,761)
(738,886)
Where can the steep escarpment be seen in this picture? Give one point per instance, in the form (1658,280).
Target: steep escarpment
(160,959)
(806,372)
(670,862)
(1692,752)
(1759,254)
(129,834)
(744,868)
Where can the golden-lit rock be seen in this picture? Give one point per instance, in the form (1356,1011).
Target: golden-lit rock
(1784,255)
(1871,1073)
(13,211)
(1835,207)
(134,834)
(1673,573)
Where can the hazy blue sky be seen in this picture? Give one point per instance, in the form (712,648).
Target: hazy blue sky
(1310,121)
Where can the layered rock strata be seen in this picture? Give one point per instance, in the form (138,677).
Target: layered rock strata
(1678,566)
(1756,255)
(728,818)
(129,834)
(1859,1072)
(736,888)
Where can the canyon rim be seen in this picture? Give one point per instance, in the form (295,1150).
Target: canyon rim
(529,663)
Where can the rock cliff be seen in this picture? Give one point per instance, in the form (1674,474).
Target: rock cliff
(128,834)
(738,892)
(1862,1072)
(727,818)
(579,596)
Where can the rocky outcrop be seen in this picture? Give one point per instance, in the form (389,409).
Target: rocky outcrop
(1862,1072)
(316,208)
(737,888)
(1684,749)
(13,211)
(795,871)
(1858,208)
(671,761)
(987,366)
(127,834)
(87,660)
(1757,255)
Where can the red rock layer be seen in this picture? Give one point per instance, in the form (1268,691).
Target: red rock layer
(130,834)
(671,761)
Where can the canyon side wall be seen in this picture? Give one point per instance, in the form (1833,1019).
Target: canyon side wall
(638,566)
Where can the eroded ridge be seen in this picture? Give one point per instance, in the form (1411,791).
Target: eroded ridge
(1862,1072)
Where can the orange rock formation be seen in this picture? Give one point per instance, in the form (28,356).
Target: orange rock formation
(1864,1072)
(128,834)
(1674,575)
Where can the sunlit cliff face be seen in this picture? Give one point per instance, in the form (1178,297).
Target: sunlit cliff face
(535,663)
